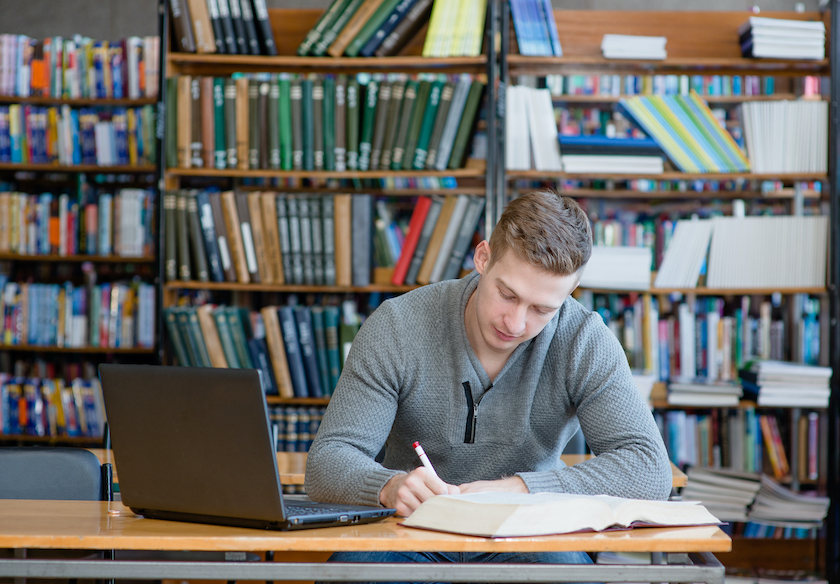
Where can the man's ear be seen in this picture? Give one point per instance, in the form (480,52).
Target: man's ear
(482,256)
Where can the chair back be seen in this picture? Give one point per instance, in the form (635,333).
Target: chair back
(39,472)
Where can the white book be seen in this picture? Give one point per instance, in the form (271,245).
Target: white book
(688,369)
(618,268)
(449,236)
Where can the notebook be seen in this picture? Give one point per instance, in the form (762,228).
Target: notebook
(194,444)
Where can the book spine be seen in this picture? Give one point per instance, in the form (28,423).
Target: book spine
(326,19)
(368,117)
(317,113)
(383,103)
(254,129)
(405,29)
(426,126)
(289,328)
(303,318)
(421,103)
(284,121)
(247,14)
(219,146)
(340,131)
(211,244)
(459,146)
(264,31)
(183,26)
(408,100)
(352,124)
(296,109)
(229,35)
(216,23)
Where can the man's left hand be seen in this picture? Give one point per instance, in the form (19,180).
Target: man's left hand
(510,485)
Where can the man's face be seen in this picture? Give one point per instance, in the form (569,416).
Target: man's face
(515,300)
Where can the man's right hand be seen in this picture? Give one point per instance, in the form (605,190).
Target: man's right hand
(405,492)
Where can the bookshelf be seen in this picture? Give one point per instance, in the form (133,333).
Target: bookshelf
(698,44)
(79,233)
(397,187)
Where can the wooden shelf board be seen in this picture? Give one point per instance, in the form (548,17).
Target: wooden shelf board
(75,258)
(379,192)
(649,195)
(703,291)
(182,285)
(246,63)
(297,401)
(84,101)
(707,98)
(97,350)
(521,64)
(78,168)
(537,174)
(324,174)
(76,440)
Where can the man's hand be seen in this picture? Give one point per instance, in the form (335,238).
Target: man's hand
(510,485)
(405,492)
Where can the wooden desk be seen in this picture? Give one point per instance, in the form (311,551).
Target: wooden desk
(83,525)
(292,466)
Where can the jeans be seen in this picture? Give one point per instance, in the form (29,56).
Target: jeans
(463,557)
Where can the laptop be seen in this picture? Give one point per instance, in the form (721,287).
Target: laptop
(194,444)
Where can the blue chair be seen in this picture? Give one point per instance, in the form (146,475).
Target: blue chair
(53,473)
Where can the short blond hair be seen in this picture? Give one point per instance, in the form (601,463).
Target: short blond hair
(546,230)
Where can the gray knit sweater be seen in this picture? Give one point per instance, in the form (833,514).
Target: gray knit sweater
(406,379)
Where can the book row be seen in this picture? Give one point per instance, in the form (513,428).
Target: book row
(294,427)
(758,530)
(299,349)
(121,224)
(705,85)
(787,136)
(709,339)
(322,122)
(66,136)
(535,28)
(119,315)
(51,407)
(742,439)
(79,67)
(222,26)
(779,38)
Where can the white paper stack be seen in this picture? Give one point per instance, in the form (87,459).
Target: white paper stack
(625,46)
(617,268)
(779,38)
(725,493)
(587,163)
(786,136)
(784,384)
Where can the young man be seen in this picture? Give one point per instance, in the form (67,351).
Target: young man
(492,374)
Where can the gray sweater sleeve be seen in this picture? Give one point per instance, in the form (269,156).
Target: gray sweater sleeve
(341,466)
(631,458)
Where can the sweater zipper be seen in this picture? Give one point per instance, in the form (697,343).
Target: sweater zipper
(472,412)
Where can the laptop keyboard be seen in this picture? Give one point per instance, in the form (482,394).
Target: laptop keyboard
(300,510)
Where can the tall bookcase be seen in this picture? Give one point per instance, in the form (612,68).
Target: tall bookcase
(698,43)
(58,261)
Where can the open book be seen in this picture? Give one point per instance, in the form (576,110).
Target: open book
(522,514)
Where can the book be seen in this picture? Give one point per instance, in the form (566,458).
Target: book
(421,104)
(277,351)
(241,110)
(182,25)
(227,27)
(222,237)
(353,27)
(406,112)
(210,333)
(288,326)
(531,514)
(462,202)
(345,13)
(362,239)
(264,32)
(423,242)
(405,29)
(232,160)
(235,243)
(211,242)
(342,209)
(216,22)
(240,35)
(247,232)
(262,249)
(219,145)
(415,226)
(436,239)
(326,19)
(308,350)
(398,13)
(464,238)
(202,27)
(465,127)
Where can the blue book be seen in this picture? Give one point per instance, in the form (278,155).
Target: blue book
(308,352)
(548,11)
(211,243)
(5,135)
(331,316)
(318,330)
(540,26)
(259,355)
(520,26)
(288,324)
(74,137)
(391,22)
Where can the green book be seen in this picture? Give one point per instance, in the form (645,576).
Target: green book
(230,122)
(295,106)
(329,122)
(429,116)
(171,235)
(237,333)
(370,27)
(195,331)
(253,124)
(284,121)
(409,97)
(318,122)
(420,104)
(352,123)
(340,127)
(440,123)
(332,31)
(331,338)
(183,320)
(273,124)
(368,120)
(383,105)
(220,317)
(459,147)
(171,129)
(397,92)
(327,18)
(307,124)
(170,317)
(219,146)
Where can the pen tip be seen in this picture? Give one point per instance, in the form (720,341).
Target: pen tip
(416,444)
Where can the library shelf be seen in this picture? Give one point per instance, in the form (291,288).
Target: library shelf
(669,175)
(187,63)
(297,401)
(661,404)
(302,288)
(81,350)
(92,168)
(470,172)
(52,440)
(627,194)
(385,192)
(113,259)
(703,291)
(78,101)
(711,99)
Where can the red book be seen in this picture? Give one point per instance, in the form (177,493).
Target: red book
(415,226)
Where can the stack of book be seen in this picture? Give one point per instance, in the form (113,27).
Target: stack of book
(704,394)
(786,136)
(531,130)
(727,494)
(781,384)
(294,427)
(234,27)
(777,38)
(600,154)
(626,46)
(687,130)
(322,122)
(617,267)
(456,29)
(79,67)
(535,27)
(299,349)
(778,506)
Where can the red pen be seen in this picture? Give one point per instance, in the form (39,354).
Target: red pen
(423,458)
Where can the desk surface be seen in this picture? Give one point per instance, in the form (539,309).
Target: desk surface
(292,466)
(90,525)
